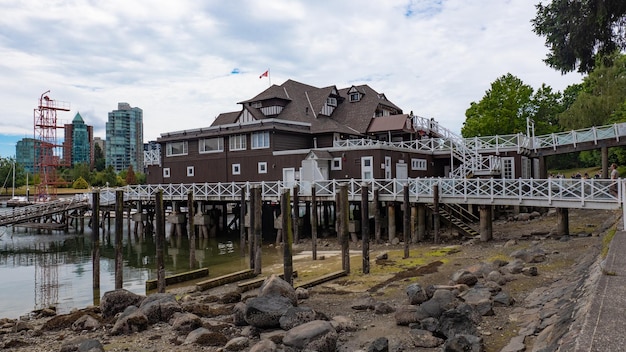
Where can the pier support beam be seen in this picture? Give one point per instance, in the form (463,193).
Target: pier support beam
(314,221)
(391,220)
(119,232)
(562,218)
(421,222)
(365,227)
(486,223)
(436,222)
(377,224)
(344,238)
(406,216)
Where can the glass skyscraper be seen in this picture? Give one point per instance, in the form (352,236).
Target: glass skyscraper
(77,148)
(124,138)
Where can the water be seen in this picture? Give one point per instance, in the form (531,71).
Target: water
(40,270)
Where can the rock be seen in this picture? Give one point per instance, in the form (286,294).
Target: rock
(416,293)
(464,343)
(455,322)
(383,256)
(430,324)
(522,217)
(160,307)
(86,322)
(516,344)
(408,314)
(514,267)
(237,344)
(464,277)
(302,293)
(275,336)
(531,255)
(383,308)
(317,335)
(22,325)
(265,312)
(530,271)
(503,299)
(239,314)
(342,323)
(116,301)
(82,344)
(185,322)
(275,286)
(480,299)
(381,344)
(496,276)
(364,303)
(510,243)
(230,297)
(130,321)
(424,338)
(205,337)
(264,346)
(295,316)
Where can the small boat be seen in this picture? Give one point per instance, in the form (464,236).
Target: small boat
(17,201)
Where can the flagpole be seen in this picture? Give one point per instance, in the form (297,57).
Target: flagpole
(269,77)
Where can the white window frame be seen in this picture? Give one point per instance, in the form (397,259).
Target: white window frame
(202,145)
(355,96)
(169,148)
(166,172)
(419,164)
(331,101)
(236,169)
(260,140)
(190,171)
(336,164)
(262,167)
(387,168)
(508,167)
(237,142)
(365,169)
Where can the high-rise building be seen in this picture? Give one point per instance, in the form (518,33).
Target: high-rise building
(77,147)
(124,138)
(25,153)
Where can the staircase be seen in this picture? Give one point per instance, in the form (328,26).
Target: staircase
(458,216)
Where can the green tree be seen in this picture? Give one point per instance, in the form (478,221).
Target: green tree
(98,158)
(546,105)
(81,170)
(80,183)
(579,32)
(6,174)
(131,178)
(600,99)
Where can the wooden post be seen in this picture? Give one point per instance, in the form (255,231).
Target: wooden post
(119,233)
(414,223)
(365,227)
(95,239)
(314,221)
(406,225)
(377,224)
(191,231)
(251,233)
(242,222)
(285,205)
(436,213)
(486,223)
(159,214)
(391,220)
(257,230)
(296,214)
(421,222)
(344,234)
(562,218)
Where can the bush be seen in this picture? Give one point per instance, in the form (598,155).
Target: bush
(81,183)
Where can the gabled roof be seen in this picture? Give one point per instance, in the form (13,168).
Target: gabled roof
(391,123)
(226,118)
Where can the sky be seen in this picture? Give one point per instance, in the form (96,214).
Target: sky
(184,62)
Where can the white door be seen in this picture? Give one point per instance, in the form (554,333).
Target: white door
(402,172)
(289,177)
(508,168)
(367,167)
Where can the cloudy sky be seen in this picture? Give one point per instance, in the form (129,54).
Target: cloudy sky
(184,62)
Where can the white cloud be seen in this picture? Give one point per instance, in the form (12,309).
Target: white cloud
(175,60)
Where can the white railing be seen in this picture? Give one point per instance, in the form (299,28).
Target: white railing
(593,134)
(35,210)
(152,157)
(566,193)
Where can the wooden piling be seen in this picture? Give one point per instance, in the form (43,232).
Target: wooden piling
(344,234)
(406,225)
(414,223)
(119,233)
(296,214)
(242,222)
(251,236)
(159,214)
(285,208)
(95,239)
(377,224)
(421,222)
(391,220)
(486,223)
(191,229)
(562,217)
(314,221)
(258,206)
(436,213)
(365,227)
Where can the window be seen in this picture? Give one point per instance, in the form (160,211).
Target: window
(211,145)
(256,104)
(336,164)
(262,167)
(237,142)
(419,164)
(355,96)
(176,148)
(331,101)
(190,170)
(367,167)
(166,172)
(260,140)
(236,169)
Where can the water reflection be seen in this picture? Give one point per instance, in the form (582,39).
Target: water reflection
(41,270)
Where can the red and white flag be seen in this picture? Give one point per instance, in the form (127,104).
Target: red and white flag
(265,74)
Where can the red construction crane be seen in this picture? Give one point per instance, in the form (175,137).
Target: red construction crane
(47,151)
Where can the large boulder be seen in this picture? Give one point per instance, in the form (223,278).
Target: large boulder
(457,321)
(317,335)
(116,301)
(205,337)
(480,298)
(424,338)
(185,322)
(416,293)
(275,286)
(464,277)
(264,345)
(265,311)
(296,316)
(408,314)
(160,307)
(464,343)
(132,320)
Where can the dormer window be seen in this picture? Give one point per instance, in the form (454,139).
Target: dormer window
(256,104)
(331,101)
(355,96)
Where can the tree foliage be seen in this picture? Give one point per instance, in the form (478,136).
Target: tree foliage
(131,178)
(80,183)
(98,158)
(6,174)
(601,99)
(579,32)
(508,105)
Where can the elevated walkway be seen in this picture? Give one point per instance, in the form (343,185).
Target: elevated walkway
(41,210)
